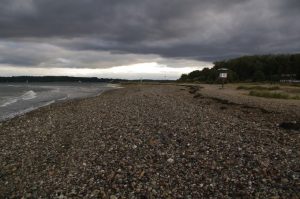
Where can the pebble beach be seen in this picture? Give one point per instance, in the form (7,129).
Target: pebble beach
(152,141)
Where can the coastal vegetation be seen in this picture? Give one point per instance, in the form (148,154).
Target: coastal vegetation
(258,88)
(277,95)
(267,91)
(257,68)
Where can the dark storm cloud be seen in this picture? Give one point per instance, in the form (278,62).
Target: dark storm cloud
(195,29)
(115,19)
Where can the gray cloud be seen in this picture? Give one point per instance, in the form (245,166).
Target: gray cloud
(92,32)
(45,55)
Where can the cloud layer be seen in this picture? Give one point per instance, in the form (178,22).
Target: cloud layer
(106,33)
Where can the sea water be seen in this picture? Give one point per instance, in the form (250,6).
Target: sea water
(18,98)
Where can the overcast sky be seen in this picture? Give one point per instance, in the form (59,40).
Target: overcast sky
(140,38)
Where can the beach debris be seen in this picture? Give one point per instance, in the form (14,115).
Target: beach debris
(193,89)
(197,95)
(293,125)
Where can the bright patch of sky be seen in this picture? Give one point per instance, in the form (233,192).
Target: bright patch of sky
(151,70)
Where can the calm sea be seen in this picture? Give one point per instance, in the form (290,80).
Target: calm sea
(18,98)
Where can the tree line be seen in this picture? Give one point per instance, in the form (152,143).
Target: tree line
(55,79)
(24,79)
(251,68)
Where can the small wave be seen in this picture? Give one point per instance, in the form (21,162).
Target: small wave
(11,85)
(63,99)
(48,103)
(29,95)
(10,101)
(22,112)
(26,96)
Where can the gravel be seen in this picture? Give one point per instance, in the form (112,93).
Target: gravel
(150,141)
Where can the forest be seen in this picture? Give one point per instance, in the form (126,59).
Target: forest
(24,79)
(55,79)
(257,68)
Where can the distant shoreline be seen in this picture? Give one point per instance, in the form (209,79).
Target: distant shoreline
(70,79)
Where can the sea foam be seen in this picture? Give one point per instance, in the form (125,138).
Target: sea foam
(9,101)
(29,95)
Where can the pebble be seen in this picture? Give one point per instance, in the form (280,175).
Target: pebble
(127,144)
(113,197)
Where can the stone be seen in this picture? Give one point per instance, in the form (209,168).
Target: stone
(113,197)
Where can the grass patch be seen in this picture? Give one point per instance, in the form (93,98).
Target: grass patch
(276,95)
(292,84)
(260,88)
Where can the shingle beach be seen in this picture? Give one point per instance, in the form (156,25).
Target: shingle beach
(151,141)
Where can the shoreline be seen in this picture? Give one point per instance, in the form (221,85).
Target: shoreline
(62,100)
(154,141)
